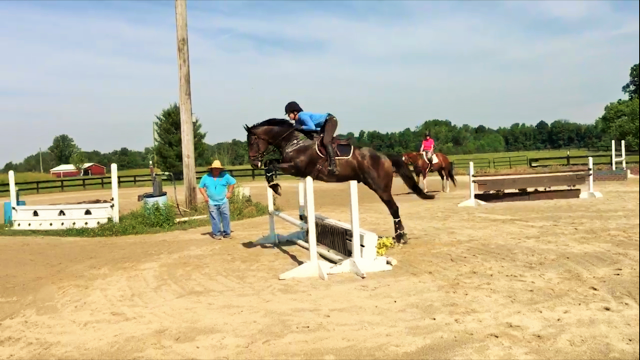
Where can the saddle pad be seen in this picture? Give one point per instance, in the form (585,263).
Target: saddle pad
(343,151)
(435,158)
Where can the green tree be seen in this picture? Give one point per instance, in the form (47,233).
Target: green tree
(168,147)
(542,135)
(620,120)
(78,160)
(631,88)
(63,148)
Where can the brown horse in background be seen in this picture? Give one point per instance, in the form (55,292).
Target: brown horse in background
(421,167)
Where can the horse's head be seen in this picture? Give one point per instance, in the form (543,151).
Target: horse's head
(262,135)
(407,158)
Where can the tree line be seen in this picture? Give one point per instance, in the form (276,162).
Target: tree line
(618,122)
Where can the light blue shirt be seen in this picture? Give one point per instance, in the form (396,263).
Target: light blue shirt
(216,188)
(311,121)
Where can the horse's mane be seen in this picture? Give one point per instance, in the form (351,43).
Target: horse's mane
(270,122)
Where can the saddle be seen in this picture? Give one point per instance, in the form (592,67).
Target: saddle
(342,148)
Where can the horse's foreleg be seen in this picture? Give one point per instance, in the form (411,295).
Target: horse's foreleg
(447,180)
(270,172)
(424,180)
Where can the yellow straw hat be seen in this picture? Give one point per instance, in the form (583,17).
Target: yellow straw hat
(216,165)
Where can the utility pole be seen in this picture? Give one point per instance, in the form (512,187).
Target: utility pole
(186,122)
(155,157)
(40,150)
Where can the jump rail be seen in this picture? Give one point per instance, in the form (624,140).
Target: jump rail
(569,178)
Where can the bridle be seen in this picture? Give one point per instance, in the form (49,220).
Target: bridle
(263,153)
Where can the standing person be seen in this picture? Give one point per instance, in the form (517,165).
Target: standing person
(217,187)
(427,146)
(326,123)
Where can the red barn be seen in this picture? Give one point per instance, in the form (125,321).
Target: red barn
(89,169)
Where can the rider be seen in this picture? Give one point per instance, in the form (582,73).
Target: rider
(325,123)
(427,146)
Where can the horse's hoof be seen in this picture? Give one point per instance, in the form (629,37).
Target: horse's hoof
(276,189)
(401,239)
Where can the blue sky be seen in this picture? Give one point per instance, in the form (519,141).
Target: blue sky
(100,71)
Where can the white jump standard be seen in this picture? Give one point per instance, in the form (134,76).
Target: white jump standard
(615,159)
(55,217)
(362,248)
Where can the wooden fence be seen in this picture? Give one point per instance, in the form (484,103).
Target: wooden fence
(95,182)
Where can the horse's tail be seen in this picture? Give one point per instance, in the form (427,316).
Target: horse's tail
(405,174)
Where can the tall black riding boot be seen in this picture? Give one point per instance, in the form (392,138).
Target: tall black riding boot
(333,169)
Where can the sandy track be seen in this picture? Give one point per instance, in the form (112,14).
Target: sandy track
(548,279)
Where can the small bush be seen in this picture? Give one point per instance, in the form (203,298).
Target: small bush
(147,219)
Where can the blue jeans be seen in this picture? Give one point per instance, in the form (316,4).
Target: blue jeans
(218,214)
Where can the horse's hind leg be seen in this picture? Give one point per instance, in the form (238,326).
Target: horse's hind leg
(394,210)
(384,193)
(441,173)
(377,175)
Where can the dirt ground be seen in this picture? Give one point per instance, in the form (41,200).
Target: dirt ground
(533,280)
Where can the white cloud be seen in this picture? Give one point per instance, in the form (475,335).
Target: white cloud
(101,76)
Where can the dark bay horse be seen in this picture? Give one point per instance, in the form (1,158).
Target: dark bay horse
(302,155)
(441,165)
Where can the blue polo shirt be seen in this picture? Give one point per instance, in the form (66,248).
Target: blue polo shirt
(216,188)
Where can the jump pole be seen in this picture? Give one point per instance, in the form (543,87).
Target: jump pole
(114,193)
(591,194)
(472,201)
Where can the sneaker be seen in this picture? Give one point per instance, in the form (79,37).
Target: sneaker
(227,236)
(215,237)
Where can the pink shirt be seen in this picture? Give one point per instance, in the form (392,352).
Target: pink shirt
(427,145)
